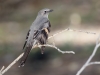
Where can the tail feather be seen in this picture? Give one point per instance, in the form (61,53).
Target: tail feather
(24,58)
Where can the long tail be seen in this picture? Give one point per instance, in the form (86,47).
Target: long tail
(24,58)
(26,53)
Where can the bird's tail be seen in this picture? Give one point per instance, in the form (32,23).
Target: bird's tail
(25,55)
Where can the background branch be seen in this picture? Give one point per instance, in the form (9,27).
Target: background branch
(0,73)
(90,58)
(2,68)
(93,63)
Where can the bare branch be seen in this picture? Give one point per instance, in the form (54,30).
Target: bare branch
(93,63)
(59,50)
(58,33)
(2,68)
(9,66)
(23,53)
(73,30)
(86,32)
(90,58)
(0,73)
(5,70)
(97,42)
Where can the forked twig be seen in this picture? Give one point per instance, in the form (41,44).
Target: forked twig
(90,58)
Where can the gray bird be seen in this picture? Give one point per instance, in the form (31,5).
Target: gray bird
(37,34)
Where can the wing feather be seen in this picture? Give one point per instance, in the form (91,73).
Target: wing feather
(26,39)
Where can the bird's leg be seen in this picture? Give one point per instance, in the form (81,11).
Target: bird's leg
(42,49)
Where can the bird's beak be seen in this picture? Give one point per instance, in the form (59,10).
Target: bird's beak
(50,10)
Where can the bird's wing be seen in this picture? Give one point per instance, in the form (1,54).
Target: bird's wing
(26,39)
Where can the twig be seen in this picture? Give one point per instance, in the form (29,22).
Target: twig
(97,42)
(93,63)
(73,30)
(2,68)
(0,73)
(59,50)
(5,70)
(90,58)
(58,33)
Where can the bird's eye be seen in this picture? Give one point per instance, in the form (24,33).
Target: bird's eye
(44,11)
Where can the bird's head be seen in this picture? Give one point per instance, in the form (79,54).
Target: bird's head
(44,12)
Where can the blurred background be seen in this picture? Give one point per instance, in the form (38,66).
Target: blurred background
(16,16)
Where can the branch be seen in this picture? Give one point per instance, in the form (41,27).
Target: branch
(93,63)
(90,58)
(72,30)
(2,71)
(6,69)
(59,50)
(2,68)
(97,42)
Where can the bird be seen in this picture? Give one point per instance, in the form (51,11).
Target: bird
(37,34)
